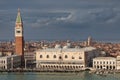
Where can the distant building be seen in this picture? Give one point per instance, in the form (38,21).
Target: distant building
(89,42)
(105,63)
(118,62)
(7,53)
(10,62)
(65,58)
(1,54)
(30,58)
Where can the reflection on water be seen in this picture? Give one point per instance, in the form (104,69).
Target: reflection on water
(57,76)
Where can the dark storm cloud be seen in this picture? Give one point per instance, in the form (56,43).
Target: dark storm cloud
(52,19)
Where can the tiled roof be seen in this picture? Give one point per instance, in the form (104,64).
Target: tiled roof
(67,49)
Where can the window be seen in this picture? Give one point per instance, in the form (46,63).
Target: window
(47,56)
(54,56)
(97,62)
(104,62)
(80,57)
(40,56)
(107,62)
(4,67)
(4,61)
(113,67)
(66,56)
(18,31)
(95,66)
(110,62)
(60,57)
(73,57)
(113,62)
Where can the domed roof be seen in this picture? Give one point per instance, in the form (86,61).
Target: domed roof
(65,47)
(69,44)
(57,46)
(77,47)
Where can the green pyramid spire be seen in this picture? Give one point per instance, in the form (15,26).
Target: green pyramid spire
(18,19)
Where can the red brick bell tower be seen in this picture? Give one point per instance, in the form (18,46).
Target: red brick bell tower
(19,38)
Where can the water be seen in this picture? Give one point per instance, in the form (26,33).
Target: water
(57,76)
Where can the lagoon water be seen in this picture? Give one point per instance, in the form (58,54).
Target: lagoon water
(57,76)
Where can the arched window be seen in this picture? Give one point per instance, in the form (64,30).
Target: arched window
(101,67)
(110,62)
(66,56)
(4,61)
(54,56)
(97,62)
(76,66)
(4,67)
(60,57)
(103,62)
(47,56)
(107,62)
(73,57)
(113,67)
(80,57)
(40,56)
(95,66)
(113,62)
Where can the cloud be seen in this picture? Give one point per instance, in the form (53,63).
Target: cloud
(65,18)
(48,18)
(55,18)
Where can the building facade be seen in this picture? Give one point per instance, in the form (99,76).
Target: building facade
(118,62)
(10,62)
(104,63)
(65,58)
(30,58)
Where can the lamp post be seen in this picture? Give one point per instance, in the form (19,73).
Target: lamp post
(12,63)
(25,63)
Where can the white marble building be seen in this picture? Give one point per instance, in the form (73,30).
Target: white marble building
(118,62)
(10,62)
(105,63)
(65,58)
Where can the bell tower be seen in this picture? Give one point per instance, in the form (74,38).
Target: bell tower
(19,38)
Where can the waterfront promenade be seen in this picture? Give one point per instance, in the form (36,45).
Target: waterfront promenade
(39,70)
(61,70)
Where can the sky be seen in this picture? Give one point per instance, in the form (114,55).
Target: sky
(61,19)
